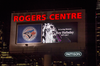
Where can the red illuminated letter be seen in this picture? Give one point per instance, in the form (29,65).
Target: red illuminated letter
(62,16)
(44,17)
(56,16)
(15,18)
(38,17)
(79,15)
(68,15)
(33,17)
(21,18)
(73,15)
(27,18)
(51,16)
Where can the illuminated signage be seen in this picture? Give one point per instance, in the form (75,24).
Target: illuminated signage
(60,32)
(29,33)
(73,54)
(48,32)
(61,16)
(40,31)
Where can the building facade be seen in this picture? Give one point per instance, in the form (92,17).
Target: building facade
(97,28)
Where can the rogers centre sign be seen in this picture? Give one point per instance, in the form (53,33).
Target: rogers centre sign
(44,17)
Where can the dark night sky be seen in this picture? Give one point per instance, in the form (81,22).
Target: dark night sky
(6,8)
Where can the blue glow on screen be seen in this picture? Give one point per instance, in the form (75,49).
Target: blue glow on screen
(29,33)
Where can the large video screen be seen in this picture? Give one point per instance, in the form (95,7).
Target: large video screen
(48,32)
(60,32)
(29,33)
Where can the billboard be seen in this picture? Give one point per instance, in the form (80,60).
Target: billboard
(47,33)
(60,32)
(48,30)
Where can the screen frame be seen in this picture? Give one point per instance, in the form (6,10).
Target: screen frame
(36,23)
(27,24)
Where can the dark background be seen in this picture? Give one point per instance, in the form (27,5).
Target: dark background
(73,26)
(7,7)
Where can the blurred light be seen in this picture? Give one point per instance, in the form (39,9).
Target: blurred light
(0,42)
(54,61)
(98,40)
(78,64)
(0,38)
(83,62)
(60,61)
(97,51)
(98,32)
(42,58)
(4,65)
(98,35)
(0,47)
(65,63)
(3,52)
(98,27)
(36,62)
(30,59)
(6,57)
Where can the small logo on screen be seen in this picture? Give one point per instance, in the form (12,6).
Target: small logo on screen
(29,33)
